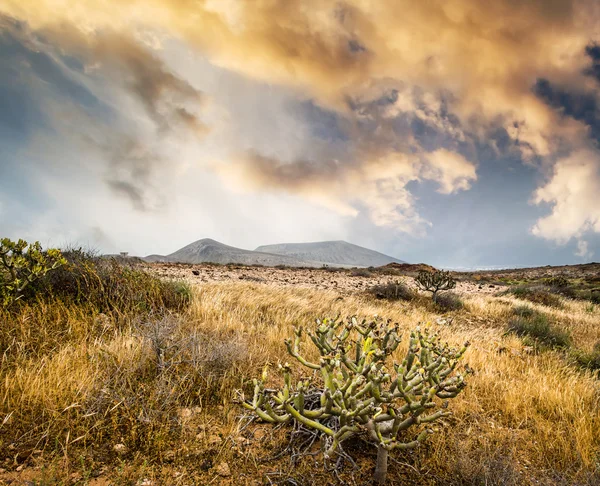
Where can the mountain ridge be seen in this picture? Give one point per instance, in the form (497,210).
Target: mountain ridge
(333,252)
(315,254)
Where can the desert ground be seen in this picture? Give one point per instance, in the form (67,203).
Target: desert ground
(343,281)
(137,378)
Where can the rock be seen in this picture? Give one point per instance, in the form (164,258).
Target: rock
(214,440)
(120,449)
(20,468)
(223,470)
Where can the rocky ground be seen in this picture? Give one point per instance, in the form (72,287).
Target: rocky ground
(343,281)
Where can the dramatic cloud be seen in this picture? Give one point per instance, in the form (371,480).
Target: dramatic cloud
(405,94)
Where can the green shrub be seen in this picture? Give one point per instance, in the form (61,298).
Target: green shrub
(536,294)
(591,360)
(538,327)
(108,286)
(22,264)
(449,301)
(525,311)
(559,281)
(392,291)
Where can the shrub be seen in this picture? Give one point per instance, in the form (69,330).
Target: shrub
(361,272)
(21,264)
(536,294)
(524,311)
(108,286)
(449,301)
(538,327)
(359,393)
(559,281)
(591,360)
(392,291)
(435,282)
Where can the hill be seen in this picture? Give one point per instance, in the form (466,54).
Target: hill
(208,250)
(337,253)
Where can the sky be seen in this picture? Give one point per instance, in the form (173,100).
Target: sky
(454,132)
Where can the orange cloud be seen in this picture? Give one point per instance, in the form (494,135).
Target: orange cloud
(474,60)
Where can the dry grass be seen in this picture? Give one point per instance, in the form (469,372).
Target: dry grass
(165,389)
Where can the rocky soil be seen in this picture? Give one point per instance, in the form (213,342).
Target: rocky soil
(342,281)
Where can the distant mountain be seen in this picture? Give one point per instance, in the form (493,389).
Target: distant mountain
(336,253)
(208,250)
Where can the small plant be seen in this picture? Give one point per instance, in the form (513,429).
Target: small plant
(524,311)
(392,291)
(360,391)
(538,327)
(21,264)
(589,360)
(361,272)
(435,282)
(559,281)
(449,301)
(535,294)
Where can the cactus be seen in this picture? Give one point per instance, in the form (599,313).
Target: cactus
(21,264)
(360,393)
(434,282)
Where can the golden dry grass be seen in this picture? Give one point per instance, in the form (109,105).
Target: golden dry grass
(524,418)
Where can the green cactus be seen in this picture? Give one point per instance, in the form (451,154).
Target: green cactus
(21,264)
(435,282)
(359,392)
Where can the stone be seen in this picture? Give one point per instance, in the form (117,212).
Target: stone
(223,470)
(120,448)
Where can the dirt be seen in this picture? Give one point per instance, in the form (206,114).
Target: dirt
(341,281)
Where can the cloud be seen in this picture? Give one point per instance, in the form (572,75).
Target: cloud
(419,88)
(377,183)
(104,95)
(572,193)
(582,250)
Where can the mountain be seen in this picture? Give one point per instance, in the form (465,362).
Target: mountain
(336,253)
(208,250)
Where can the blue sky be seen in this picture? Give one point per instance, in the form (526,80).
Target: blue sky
(450,133)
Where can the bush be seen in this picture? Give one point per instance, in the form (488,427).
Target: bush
(538,327)
(591,360)
(525,311)
(537,295)
(21,264)
(392,291)
(559,281)
(449,301)
(361,272)
(108,286)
